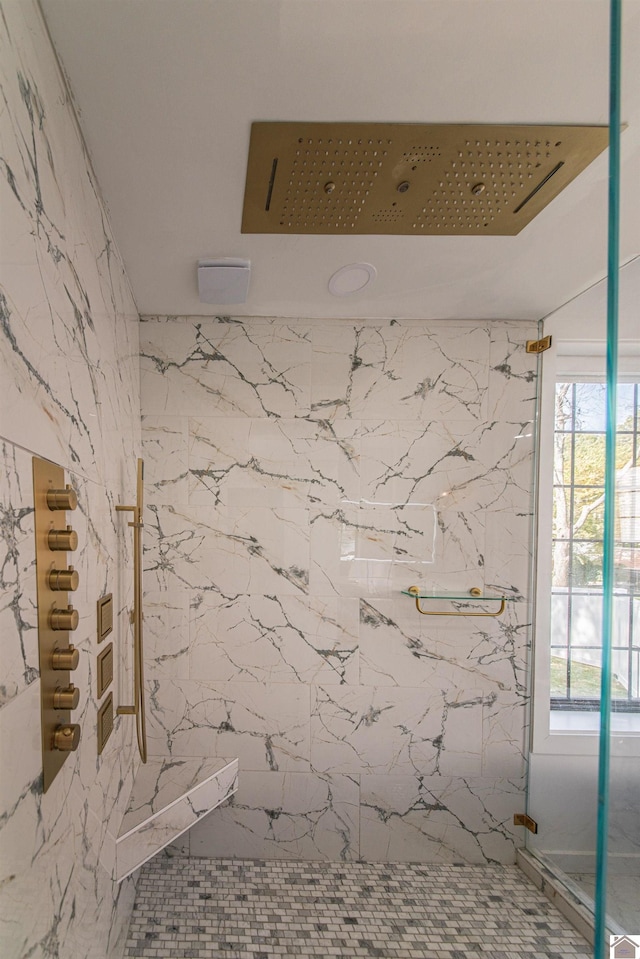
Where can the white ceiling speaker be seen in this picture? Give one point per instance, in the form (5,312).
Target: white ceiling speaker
(223,281)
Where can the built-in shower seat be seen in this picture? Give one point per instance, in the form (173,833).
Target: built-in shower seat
(168,796)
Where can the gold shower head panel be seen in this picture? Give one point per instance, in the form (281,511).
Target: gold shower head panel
(411,179)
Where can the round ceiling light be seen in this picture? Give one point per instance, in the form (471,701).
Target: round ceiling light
(351,279)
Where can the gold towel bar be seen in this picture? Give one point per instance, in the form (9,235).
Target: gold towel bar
(473,593)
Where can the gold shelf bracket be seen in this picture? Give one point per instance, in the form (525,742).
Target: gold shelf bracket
(474,593)
(522,819)
(539,346)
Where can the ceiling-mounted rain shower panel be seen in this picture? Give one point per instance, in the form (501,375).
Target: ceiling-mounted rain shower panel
(412,179)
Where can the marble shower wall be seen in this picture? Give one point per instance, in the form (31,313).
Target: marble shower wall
(70,393)
(300,474)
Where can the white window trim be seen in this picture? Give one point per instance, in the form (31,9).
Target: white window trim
(580,361)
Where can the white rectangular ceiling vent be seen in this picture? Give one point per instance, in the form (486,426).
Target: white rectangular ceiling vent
(224,281)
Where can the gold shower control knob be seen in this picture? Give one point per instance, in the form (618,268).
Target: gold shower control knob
(63,539)
(63,579)
(66,697)
(64,618)
(65,658)
(66,737)
(62,498)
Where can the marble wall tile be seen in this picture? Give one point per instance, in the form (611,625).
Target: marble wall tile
(392,730)
(277,638)
(271,462)
(227,550)
(474,481)
(166,633)
(371,552)
(443,652)
(400,370)
(166,459)
(49,851)
(439,819)
(298,520)
(59,351)
(513,376)
(18,611)
(284,815)
(70,375)
(509,552)
(449,463)
(265,725)
(505,737)
(228,369)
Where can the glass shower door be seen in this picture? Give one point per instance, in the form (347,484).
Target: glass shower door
(584,778)
(623,823)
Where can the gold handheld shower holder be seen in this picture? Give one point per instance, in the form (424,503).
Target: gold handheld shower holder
(474,593)
(138,708)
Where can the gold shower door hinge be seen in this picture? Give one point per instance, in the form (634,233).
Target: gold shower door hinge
(538,346)
(521,819)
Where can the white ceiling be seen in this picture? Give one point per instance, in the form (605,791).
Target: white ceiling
(166,91)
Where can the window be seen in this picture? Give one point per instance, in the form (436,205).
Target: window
(577,540)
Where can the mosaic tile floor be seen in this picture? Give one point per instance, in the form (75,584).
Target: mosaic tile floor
(206,909)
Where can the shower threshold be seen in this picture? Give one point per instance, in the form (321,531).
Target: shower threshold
(567,896)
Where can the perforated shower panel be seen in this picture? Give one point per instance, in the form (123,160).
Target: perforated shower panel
(386,178)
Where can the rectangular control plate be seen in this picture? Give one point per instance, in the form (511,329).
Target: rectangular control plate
(48,476)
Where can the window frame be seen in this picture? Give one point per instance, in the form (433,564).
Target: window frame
(582,361)
(573,591)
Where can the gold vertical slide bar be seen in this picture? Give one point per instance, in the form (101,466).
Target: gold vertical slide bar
(138,708)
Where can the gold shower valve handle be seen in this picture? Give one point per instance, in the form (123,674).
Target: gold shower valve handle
(63,579)
(66,697)
(66,619)
(64,540)
(66,737)
(66,659)
(62,498)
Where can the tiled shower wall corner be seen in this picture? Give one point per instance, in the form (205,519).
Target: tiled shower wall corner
(300,474)
(70,393)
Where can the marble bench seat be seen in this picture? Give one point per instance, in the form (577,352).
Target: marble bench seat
(169,795)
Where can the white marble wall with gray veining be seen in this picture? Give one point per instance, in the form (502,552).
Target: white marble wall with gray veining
(300,474)
(70,393)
